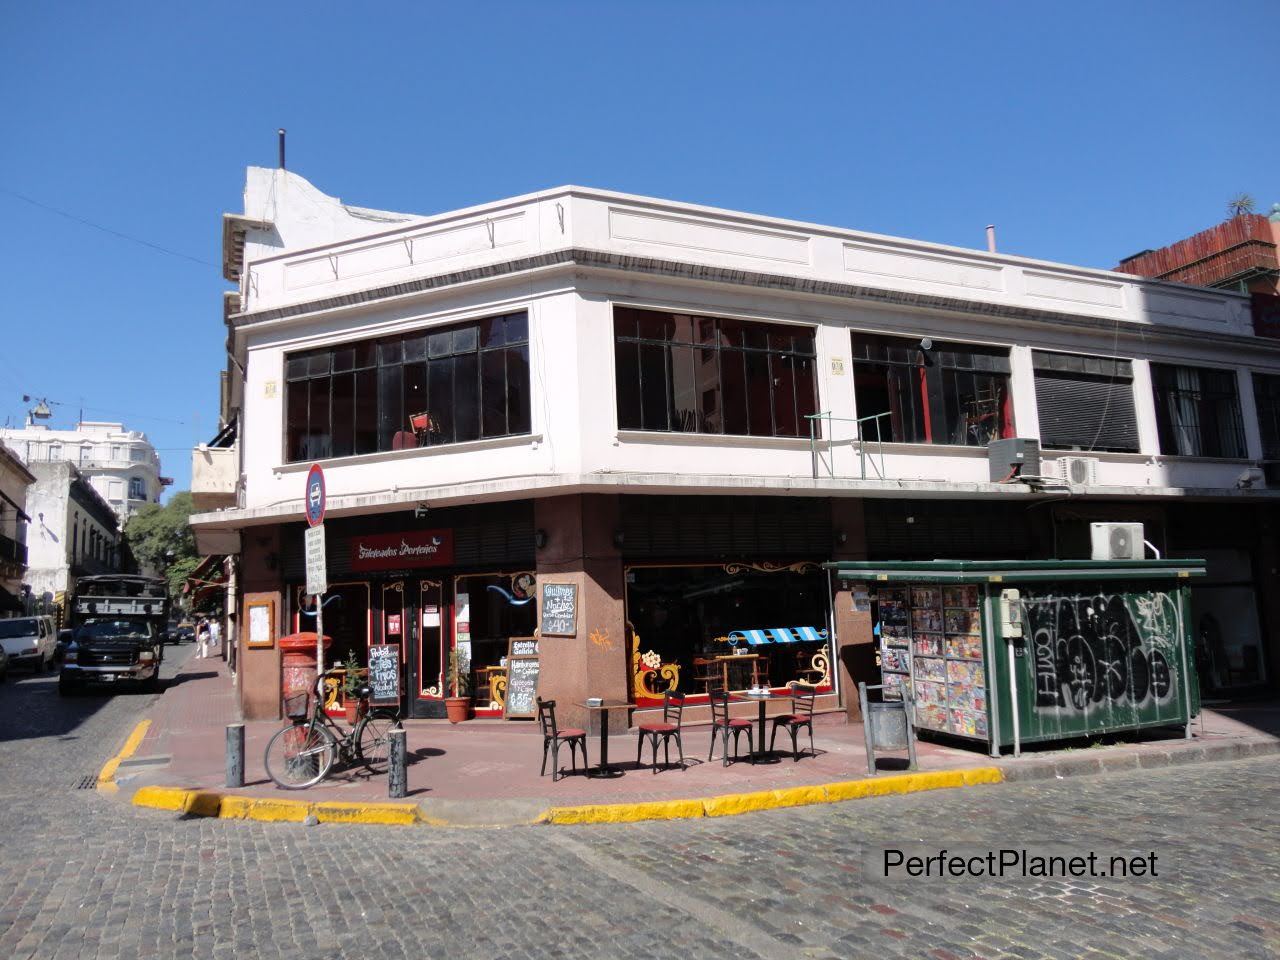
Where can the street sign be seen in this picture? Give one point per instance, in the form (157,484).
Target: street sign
(317,575)
(315,495)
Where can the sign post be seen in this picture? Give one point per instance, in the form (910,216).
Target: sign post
(317,584)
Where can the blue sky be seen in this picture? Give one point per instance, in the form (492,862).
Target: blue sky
(1085,131)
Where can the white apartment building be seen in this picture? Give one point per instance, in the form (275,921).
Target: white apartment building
(121,464)
(14,481)
(683,411)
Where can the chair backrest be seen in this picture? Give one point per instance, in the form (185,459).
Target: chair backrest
(719,705)
(672,707)
(547,717)
(802,695)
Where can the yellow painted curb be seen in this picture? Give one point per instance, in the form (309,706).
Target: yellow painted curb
(626,812)
(403,814)
(209,803)
(107,775)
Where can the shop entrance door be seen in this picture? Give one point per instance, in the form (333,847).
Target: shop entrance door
(426,613)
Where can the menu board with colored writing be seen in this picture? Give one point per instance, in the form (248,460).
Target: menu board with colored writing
(559,609)
(384,674)
(522,687)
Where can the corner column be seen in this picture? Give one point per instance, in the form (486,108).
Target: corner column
(855,642)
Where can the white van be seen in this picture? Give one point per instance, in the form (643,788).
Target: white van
(29,641)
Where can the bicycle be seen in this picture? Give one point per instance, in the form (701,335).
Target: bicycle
(303,753)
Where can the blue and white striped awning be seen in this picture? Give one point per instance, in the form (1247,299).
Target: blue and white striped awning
(756,638)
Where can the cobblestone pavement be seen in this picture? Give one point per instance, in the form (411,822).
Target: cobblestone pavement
(84,876)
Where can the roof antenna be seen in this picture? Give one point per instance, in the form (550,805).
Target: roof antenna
(281,133)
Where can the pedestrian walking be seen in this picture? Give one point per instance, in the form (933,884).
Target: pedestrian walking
(202,640)
(215,635)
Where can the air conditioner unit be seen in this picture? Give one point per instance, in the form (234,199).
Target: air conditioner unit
(1078,471)
(1012,456)
(1117,541)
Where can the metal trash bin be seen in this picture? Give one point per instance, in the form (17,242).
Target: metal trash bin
(887,725)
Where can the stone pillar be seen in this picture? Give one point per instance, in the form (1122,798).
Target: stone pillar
(855,643)
(259,669)
(580,550)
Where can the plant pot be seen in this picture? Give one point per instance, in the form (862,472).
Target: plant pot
(458,708)
(351,707)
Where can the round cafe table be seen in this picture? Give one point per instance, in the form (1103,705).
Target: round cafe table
(742,696)
(603,769)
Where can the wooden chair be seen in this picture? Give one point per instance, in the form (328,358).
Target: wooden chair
(669,728)
(760,671)
(706,672)
(801,715)
(552,737)
(722,724)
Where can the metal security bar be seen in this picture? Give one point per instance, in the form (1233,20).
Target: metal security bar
(873,456)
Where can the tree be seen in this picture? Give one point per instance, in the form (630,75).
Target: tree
(1240,204)
(161,538)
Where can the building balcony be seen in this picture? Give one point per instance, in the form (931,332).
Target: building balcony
(12,553)
(215,472)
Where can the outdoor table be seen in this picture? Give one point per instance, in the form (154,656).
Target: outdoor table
(762,699)
(725,659)
(603,769)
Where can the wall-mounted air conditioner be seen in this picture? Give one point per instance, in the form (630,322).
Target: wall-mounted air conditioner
(1078,471)
(1013,456)
(1117,541)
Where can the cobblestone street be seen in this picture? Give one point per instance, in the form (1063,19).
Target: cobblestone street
(86,876)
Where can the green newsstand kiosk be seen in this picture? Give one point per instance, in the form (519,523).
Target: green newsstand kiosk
(1012,652)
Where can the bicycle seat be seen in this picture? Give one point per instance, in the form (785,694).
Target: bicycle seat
(363,692)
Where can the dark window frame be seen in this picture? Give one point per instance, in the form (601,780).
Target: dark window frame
(1205,408)
(713,363)
(446,373)
(928,411)
(1266,398)
(1090,373)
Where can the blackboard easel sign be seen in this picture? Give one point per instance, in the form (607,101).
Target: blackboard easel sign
(522,687)
(384,675)
(559,609)
(522,647)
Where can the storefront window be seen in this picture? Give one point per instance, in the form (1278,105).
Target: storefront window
(680,619)
(490,609)
(346,620)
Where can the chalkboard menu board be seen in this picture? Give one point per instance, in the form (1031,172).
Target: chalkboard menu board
(522,687)
(384,674)
(522,646)
(559,609)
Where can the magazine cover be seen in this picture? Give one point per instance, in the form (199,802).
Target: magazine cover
(967,622)
(962,671)
(964,648)
(928,644)
(893,686)
(932,717)
(960,596)
(926,598)
(931,668)
(896,659)
(927,620)
(930,693)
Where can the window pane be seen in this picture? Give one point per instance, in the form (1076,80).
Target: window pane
(415,395)
(319,442)
(390,404)
(364,354)
(653,387)
(466,396)
(624,321)
(780,339)
(517,328)
(684,393)
(802,341)
(731,334)
(439,344)
(344,414)
(493,393)
(318,363)
(464,339)
(390,350)
(707,377)
(784,397)
(627,361)
(344,358)
(755,336)
(517,388)
(415,347)
(440,392)
(366,411)
(682,328)
(296,403)
(733,383)
(805,370)
(705,331)
(759,399)
(295,368)
(654,326)
(491,331)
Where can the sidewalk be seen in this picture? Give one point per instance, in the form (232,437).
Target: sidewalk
(486,771)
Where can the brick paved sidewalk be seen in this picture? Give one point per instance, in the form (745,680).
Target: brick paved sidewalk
(481,761)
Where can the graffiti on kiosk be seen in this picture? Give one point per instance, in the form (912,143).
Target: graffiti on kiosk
(1105,648)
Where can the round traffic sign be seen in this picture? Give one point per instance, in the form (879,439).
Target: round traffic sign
(315,495)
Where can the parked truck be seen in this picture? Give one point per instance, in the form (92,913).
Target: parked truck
(118,623)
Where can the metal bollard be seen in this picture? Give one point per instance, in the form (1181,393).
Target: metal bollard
(397,779)
(235,755)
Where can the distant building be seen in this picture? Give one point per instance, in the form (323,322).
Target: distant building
(121,465)
(73,532)
(14,481)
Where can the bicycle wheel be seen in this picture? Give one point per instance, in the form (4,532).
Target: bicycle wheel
(300,755)
(373,740)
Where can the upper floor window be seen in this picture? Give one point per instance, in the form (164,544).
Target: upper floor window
(951,393)
(1085,403)
(137,490)
(690,374)
(443,385)
(1198,411)
(138,454)
(1266,395)
(117,452)
(55,452)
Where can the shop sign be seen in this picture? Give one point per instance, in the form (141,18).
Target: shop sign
(395,551)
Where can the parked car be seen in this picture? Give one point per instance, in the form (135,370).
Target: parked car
(29,641)
(64,640)
(111,650)
(184,631)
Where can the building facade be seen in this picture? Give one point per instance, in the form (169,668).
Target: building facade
(73,533)
(14,481)
(121,465)
(682,412)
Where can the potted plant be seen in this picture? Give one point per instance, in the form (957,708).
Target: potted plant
(352,681)
(458,706)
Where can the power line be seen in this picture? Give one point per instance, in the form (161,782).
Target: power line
(98,226)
